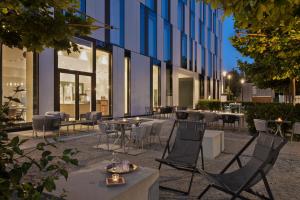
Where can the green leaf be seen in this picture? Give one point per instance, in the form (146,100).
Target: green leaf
(67,151)
(49,184)
(14,141)
(64,173)
(46,153)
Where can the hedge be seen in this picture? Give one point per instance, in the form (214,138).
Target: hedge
(267,111)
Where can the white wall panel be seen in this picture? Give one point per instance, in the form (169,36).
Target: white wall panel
(132,25)
(176,48)
(118,82)
(96,9)
(140,83)
(46,81)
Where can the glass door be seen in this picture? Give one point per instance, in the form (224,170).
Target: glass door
(75,94)
(85,94)
(67,92)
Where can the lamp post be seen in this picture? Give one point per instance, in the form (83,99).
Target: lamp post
(224,73)
(229,76)
(242,82)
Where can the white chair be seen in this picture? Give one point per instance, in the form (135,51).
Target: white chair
(140,134)
(261,125)
(295,130)
(156,131)
(105,130)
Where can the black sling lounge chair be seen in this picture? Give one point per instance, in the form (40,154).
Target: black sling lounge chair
(184,153)
(243,179)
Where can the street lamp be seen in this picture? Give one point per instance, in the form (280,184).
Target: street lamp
(229,76)
(242,82)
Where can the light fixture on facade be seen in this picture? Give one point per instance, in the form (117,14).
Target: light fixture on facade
(83,55)
(103,60)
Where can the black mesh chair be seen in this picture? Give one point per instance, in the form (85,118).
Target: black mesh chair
(229,119)
(243,179)
(182,115)
(195,116)
(184,153)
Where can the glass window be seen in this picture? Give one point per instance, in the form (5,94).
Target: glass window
(77,61)
(203,58)
(214,22)
(183,50)
(209,64)
(167,41)
(83,6)
(191,55)
(202,32)
(180,16)
(209,24)
(155,86)
(152,40)
(169,85)
(216,45)
(209,40)
(192,25)
(151,4)
(67,94)
(127,85)
(117,20)
(85,94)
(17,71)
(143,29)
(204,13)
(103,82)
(195,57)
(165,9)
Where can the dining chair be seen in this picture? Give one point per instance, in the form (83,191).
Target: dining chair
(261,125)
(250,173)
(184,152)
(295,130)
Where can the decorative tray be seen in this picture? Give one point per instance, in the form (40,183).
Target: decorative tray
(120,169)
(110,182)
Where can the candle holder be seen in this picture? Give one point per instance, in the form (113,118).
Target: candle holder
(115,177)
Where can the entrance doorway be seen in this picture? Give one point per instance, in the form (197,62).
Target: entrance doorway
(186,88)
(75,94)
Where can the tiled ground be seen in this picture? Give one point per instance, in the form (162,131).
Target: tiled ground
(284,178)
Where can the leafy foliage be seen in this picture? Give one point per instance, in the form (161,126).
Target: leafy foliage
(38,24)
(233,86)
(269,32)
(16,163)
(271,111)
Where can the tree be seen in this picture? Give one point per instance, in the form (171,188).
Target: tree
(269,32)
(40,24)
(233,85)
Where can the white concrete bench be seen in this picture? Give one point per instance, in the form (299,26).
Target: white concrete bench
(213,143)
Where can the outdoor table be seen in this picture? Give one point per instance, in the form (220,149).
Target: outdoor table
(72,123)
(123,123)
(279,124)
(89,184)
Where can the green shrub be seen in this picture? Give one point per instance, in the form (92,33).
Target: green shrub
(271,111)
(208,105)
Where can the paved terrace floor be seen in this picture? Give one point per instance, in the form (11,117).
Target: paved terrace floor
(284,178)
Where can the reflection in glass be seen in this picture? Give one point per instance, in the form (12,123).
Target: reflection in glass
(17,70)
(103,82)
(67,94)
(155,86)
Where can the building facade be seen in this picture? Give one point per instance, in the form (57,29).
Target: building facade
(158,53)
